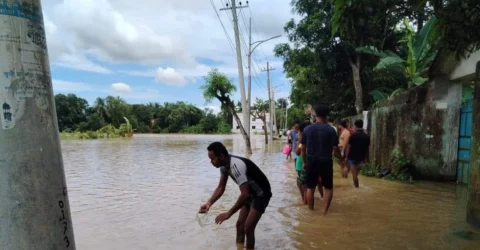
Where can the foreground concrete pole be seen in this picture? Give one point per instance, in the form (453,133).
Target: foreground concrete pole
(34,206)
(473,206)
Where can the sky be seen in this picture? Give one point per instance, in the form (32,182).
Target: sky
(159,50)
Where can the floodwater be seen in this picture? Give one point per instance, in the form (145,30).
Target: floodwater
(144,193)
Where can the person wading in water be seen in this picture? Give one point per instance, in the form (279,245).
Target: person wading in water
(319,140)
(255,191)
(299,165)
(357,150)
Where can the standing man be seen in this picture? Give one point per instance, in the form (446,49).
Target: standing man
(255,191)
(319,140)
(294,137)
(330,122)
(357,150)
(343,143)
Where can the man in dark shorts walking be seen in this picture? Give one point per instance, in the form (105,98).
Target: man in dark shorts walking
(255,191)
(320,139)
(357,150)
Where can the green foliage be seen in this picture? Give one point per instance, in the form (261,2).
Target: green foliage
(331,36)
(370,170)
(458,25)
(216,85)
(224,127)
(319,68)
(113,117)
(71,111)
(106,132)
(196,129)
(400,169)
(420,50)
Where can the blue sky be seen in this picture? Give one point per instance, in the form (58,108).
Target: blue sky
(157,51)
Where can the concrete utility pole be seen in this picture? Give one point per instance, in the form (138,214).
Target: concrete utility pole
(270,99)
(34,206)
(274,106)
(245,108)
(250,53)
(473,205)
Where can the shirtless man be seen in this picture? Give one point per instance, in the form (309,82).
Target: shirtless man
(343,143)
(255,191)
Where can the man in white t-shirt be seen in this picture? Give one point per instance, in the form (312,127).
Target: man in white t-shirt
(255,191)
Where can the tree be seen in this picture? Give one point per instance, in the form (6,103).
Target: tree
(117,109)
(321,67)
(356,23)
(259,110)
(282,103)
(218,86)
(209,122)
(420,49)
(458,25)
(71,111)
(100,108)
(182,115)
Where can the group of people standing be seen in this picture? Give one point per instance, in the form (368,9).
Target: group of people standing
(314,146)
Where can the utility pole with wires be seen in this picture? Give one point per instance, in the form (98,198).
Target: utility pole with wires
(270,96)
(250,53)
(245,108)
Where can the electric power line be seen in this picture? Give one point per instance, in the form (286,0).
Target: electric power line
(223,26)
(245,47)
(256,32)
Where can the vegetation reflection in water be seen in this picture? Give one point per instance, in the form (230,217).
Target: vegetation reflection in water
(144,193)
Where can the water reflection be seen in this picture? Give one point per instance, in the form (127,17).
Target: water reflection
(144,193)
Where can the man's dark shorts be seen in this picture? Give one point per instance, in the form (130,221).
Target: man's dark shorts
(319,168)
(259,203)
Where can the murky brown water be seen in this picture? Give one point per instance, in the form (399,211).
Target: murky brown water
(144,193)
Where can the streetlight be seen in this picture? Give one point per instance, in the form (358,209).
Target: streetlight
(250,52)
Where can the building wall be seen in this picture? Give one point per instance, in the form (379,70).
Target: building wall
(255,124)
(423,124)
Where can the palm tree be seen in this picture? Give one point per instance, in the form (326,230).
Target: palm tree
(100,107)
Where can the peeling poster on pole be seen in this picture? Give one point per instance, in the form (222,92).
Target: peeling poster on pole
(24,65)
(7,116)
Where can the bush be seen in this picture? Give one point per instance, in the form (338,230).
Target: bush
(197,129)
(400,169)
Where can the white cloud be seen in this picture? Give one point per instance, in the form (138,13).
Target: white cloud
(67,86)
(166,33)
(169,41)
(107,34)
(215,109)
(170,77)
(79,62)
(121,87)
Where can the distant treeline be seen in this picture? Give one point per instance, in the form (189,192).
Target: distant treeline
(76,115)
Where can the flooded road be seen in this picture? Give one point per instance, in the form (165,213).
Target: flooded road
(144,193)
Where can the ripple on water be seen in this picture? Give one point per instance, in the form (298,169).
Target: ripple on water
(144,193)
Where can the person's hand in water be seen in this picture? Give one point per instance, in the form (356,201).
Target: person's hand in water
(204,208)
(222,217)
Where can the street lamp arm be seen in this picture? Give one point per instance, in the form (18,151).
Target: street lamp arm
(262,41)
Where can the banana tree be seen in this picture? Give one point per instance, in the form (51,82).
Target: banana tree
(420,51)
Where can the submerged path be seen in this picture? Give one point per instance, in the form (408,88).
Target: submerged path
(144,193)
